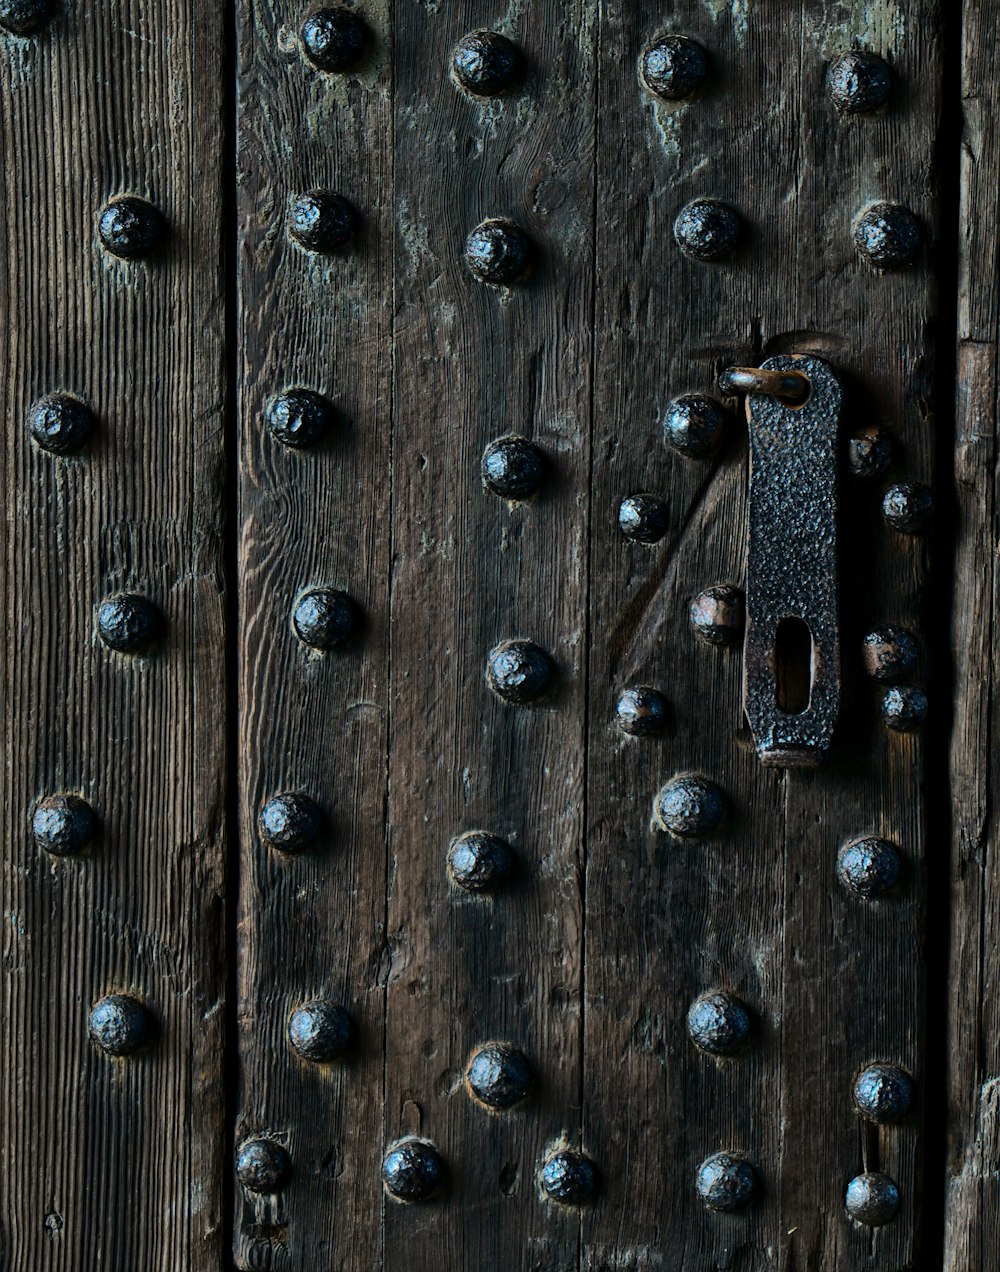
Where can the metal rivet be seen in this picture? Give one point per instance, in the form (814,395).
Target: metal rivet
(320,1031)
(643,518)
(726,1181)
(869,867)
(718,1023)
(690,806)
(513,467)
(869,453)
(907,506)
(708,230)
(64,824)
(324,618)
(519,671)
(642,712)
(412,1170)
(481,862)
(300,417)
(859,82)
(60,424)
(131,228)
(674,67)
(128,623)
(883,1093)
(569,1177)
(872,1199)
(904,707)
(498,1075)
(486,63)
(890,653)
(320,221)
(498,252)
(694,425)
(120,1025)
(717,614)
(290,822)
(263,1166)
(887,235)
(25,17)
(334,39)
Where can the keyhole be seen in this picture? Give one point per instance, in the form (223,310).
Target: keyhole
(792,666)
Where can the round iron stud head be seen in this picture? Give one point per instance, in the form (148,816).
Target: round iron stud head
(412,1171)
(726,1181)
(25,17)
(513,468)
(334,40)
(872,1199)
(717,615)
(320,221)
(300,417)
(60,424)
(499,1076)
(883,1093)
(128,623)
(324,618)
(569,1178)
(643,518)
(642,712)
(718,1023)
(859,82)
(120,1025)
(498,252)
(131,228)
(320,1031)
(486,63)
(63,825)
(887,235)
(908,506)
(481,862)
(263,1166)
(904,707)
(520,672)
(694,425)
(708,230)
(890,653)
(869,453)
(869,867)
(290,822)
(674,67)
(689,806)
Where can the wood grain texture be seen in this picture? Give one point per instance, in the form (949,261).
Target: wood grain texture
(113,1163)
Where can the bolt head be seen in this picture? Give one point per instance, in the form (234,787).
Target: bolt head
(324,618)
(412,1171)
(498,1076)
(717,615)
(718,1023)
(872,1199)
(890,653)
(63,825)
(128,623)
(498,252)
(120,1025)
(481,862)
(60,424)
(25,17)
(320,1031)
(320,221)
(883,1093)
(887,236)
(726,1181)
(519,672)
(869,867)
(908,506)
(689,806)
(694,426)
(334,40)
(263,1166)
(869,453)
(300,417)
(642,712)
(131,228)
(643,518)
(513,468)
(904,707)
(486,63)
(674,67)
(569,1178)
(859,82)
(708,230)
(290,822)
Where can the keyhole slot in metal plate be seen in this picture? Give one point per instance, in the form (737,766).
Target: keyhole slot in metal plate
(793,666)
